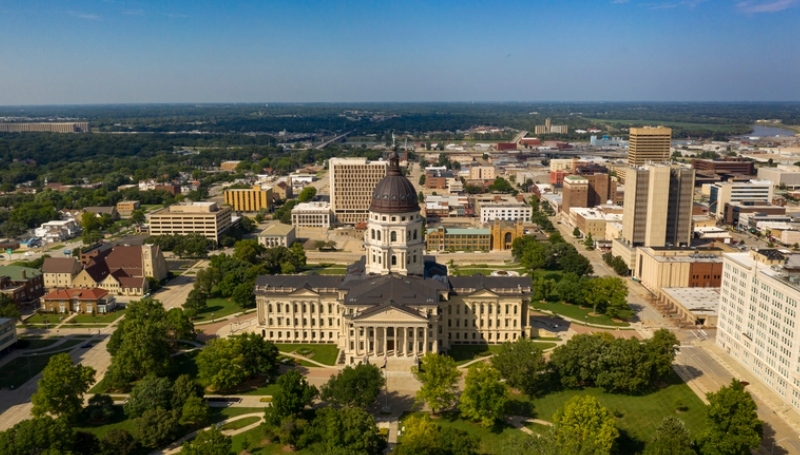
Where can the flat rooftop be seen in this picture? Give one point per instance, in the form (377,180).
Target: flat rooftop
(699,301)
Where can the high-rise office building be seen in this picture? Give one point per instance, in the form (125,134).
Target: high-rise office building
(575,193)
(351,183)
(649,145)
(657,210)
(723,193)
(759,294)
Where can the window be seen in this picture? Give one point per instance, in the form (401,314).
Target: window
(373,234)
(379,235)
(394,260)
(393,236)
(415,234)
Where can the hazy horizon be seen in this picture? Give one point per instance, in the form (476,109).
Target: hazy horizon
(101,52)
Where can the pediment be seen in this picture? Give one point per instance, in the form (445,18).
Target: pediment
(304,292)
(483,293)
(390,315)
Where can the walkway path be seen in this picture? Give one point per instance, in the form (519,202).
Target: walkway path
(520,421)
(175,447)
(583,323)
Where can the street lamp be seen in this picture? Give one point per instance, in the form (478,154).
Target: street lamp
(586,320)
(212,317)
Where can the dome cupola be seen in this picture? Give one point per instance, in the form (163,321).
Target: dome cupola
(394,193)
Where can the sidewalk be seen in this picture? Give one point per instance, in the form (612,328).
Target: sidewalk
(175,447)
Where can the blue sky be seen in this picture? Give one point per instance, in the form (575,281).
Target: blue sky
(120,51)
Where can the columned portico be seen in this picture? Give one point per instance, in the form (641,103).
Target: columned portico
(388,340)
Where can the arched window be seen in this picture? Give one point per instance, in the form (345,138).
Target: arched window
(270,308)
(379,235)
(394,260)
(373,234)
(393,236)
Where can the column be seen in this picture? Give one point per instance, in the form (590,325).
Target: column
(416,345)
(397,345)
(385,340)
(425,340)
(356,340)
(347,340)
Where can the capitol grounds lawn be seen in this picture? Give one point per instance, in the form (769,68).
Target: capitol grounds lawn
(96,318)
(16,372)
(325,354)
(255,437)
(122,422)
(325,269)
(578,313)
(637,416)
(463,353)
(220,308)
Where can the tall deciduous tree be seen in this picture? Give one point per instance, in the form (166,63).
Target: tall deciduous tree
(209,442)
(156,426)
(484,397)
(522,365)
(662,347)
(354,387)
(293,394)
(671,438)
(227,362)
(421,436)
(733,424)
(347,430)
(40,435)
(140,345)
(307,194)
(60,391)
(8,309)
(439,377)
(585,421)
(149,393)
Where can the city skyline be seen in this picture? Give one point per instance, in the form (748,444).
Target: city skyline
(117,51)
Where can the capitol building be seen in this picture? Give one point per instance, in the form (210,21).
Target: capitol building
(394,302)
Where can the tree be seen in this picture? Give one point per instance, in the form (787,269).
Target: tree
(671,438)
(624,366)
(576,233)
(608,295)
(100,408)
(138,217)
(179,326)
(119,442)
(307,194)
(8,309)
(293,394)
(421,436)
(439,377)
(359,386)
(585,421)
(140,345)
(589,242)
(484,397)
(522,365)
(347,431)
(662,348)
(156,426)
(209,442)
(227,362)
(194,411)
(40,435)
(61,388)
(85,443)
(184,388)
(151,392)
(577,361)
(422,179)
(196,300)
(733,424)
(219,364)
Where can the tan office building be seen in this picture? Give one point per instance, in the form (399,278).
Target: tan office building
(351,183)
(204,218)
(649,145)
(249,200)
(575,193)
(481,173)
(657,210)
(126,208)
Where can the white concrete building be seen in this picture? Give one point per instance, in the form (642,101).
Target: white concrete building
(722,193)
(58,230)
(781,176)
(312,214)
(508,211)
(277,235)
(757,326)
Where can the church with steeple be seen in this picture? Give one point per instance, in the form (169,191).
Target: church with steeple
(395,302)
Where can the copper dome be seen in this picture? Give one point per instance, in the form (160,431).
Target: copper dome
(394,193)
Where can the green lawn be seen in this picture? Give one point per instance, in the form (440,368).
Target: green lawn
(639,414)
(255,438)
(98,318)
(325,354)
(491,438)
(325,269)
(66,345)
(37,343)
(121,421)
(56,247)
(546,345)
(463,353)
(40,318)
(578,313)
(219,307)
(241,423)
(21,369)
